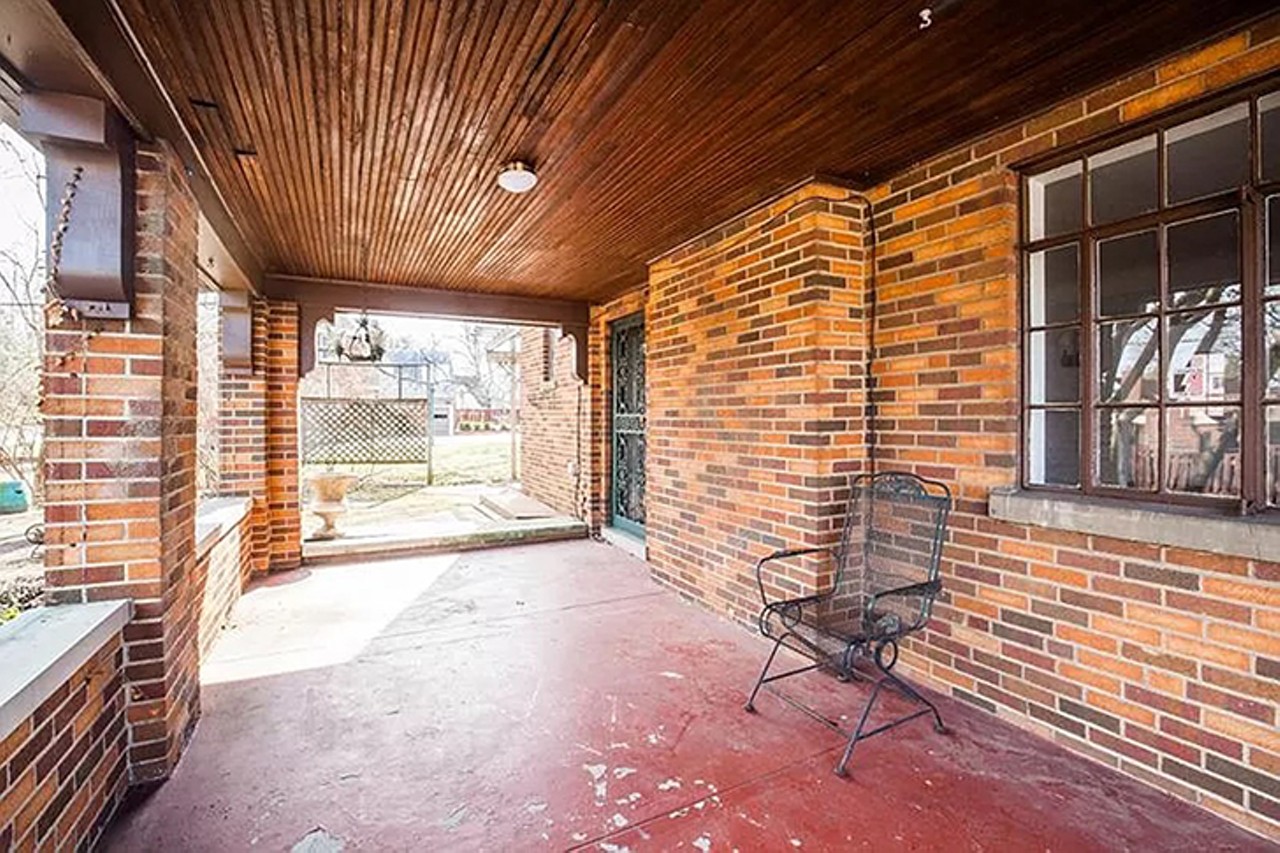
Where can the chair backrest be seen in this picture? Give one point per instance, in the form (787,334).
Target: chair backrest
(892,538)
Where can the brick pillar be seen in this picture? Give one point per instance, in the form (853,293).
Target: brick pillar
(282,435)
(120,410)
(243,435)
(756,348)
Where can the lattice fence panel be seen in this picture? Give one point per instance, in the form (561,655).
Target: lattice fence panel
(365,431)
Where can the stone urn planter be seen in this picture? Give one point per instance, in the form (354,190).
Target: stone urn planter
(329,501)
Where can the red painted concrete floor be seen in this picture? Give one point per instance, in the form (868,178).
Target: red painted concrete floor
(552,697)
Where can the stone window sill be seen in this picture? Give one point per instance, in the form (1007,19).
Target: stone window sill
(1251,538)
(45,646)
(216,517)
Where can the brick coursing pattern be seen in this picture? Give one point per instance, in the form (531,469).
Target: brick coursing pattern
(220,576)
(284,515)
(242,422)
(1161,662)
(554,424)
(756,337)
(63,770)
(119,408)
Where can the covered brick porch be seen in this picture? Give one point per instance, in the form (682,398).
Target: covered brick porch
(552,697)
(826,231)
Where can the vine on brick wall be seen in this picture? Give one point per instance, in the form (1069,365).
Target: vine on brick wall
(58,312)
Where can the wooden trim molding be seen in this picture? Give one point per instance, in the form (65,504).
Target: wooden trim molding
(319,298)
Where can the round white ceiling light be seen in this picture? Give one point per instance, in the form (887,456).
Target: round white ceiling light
(517,177)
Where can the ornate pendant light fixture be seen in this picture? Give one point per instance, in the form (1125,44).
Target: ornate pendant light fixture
(363,343)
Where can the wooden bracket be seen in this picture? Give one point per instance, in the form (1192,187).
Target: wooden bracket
(88,149)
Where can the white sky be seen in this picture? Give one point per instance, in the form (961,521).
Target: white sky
(21,208)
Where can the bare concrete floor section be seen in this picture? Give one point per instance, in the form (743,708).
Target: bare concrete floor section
(552,697)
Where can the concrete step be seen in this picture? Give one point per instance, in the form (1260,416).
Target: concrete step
(509,533)
(515,505)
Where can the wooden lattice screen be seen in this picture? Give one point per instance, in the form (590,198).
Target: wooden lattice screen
(365,431)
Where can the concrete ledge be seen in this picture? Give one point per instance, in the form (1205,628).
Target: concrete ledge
(44,647)
(1252,538)
(215,518)
(512,533)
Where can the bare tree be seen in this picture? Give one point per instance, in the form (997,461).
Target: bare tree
(484,377)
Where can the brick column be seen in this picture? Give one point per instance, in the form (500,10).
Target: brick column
(120,409)
(756,339)
(243,434)
(285,518)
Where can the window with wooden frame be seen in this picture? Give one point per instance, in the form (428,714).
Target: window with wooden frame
(1151,312)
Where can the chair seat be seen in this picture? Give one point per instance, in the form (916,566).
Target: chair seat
(830,629)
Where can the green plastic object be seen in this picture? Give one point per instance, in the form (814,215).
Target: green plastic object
(13,497)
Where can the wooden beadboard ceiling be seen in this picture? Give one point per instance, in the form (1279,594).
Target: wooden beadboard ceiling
(360,140)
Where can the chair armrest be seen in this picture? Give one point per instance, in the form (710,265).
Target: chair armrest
(932,587)
(783,555)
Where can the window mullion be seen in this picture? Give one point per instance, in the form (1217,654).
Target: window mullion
(1252,357)
(1088,385)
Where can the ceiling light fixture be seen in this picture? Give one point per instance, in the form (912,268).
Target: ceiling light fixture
(517,177)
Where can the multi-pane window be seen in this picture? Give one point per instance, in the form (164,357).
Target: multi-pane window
(1151,312)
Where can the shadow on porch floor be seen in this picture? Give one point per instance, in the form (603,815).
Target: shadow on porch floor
(552,697)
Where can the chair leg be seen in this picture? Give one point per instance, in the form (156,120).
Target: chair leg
(911,693)
(841,768)
(751,702)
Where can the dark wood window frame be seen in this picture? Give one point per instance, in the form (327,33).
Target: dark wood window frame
(1250,201)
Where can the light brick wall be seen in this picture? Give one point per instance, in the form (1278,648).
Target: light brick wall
(63,769)
(1162,662)
(119,408)
(756,340)
(221,574)
(554,423)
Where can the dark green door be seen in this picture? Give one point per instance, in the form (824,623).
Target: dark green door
(626,355)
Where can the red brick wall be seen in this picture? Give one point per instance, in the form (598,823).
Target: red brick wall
(63,769)
(554,436)
(755,368)
(1162,662)
(242,421)
(120,443)
(283,507)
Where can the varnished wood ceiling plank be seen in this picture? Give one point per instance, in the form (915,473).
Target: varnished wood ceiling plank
(380,126)
(274,60)
(555,53)
(222,37)
(408,63)
(432,60)
(495,65)
(437,170)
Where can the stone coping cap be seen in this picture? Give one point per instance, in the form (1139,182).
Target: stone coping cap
(215,518)
(1254,538)
(45,646)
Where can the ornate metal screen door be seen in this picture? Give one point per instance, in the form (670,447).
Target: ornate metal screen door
(626,353)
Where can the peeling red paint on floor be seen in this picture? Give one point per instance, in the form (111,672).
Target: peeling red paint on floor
(551,697)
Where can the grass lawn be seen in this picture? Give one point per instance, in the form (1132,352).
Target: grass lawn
(483,457)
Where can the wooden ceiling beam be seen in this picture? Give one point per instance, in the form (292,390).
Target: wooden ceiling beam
(110,46)
(321,298)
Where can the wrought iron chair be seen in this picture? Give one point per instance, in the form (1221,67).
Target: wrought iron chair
(884,586)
